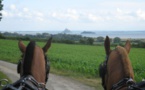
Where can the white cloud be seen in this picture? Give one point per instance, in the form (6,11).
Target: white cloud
(39,14)
(72,14)
(7,14)
(141,14)
(65,16)
(119,11)
(13,7)
(94,17)
(107,13)
(39,18)
(25,9)
(22,14)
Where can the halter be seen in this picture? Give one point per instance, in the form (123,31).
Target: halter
(26,83)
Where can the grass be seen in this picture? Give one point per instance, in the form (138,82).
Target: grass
(3,76)
(75,60)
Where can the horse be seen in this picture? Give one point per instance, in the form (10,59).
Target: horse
(117,71)
(33,68)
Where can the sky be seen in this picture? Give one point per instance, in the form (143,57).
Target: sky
(91,15)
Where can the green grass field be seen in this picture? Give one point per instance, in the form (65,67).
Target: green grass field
(82,60)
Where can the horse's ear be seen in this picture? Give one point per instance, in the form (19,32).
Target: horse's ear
(107,45)
(22,47)
(48,44)
(127,46)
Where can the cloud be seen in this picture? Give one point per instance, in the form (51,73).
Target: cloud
(124,15)
(74,15)
(22,14)
(94,18)
(25,9)
(67,15)
(7,14)
(38,14)
(13,7)
(141,14)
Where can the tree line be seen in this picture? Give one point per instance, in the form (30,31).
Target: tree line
(1,8)
(70,39)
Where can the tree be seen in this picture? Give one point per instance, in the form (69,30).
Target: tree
(100,39)
(117,40)
(90,41)
(141,44)
(82,41)
(1,8)
(1,36)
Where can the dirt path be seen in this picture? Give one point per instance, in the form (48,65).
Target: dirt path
(55,82)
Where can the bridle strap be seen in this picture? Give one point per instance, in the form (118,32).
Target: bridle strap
(26,82)
(122,83)
(32,80)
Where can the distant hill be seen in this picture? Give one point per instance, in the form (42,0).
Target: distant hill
(66,31)
(87,32)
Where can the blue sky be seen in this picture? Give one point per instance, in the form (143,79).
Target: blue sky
(24,15)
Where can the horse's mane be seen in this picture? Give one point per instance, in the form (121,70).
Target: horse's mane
(125,61)
(28,58)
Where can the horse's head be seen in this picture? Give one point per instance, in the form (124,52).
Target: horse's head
(34,61)
(116,67)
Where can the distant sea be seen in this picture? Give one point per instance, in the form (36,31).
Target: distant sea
(112,34)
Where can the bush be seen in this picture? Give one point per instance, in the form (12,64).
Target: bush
(1,36)
(100,39)
(90,41)
(141,44)
(116,40)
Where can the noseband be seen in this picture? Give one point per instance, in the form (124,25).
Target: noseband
(25,83)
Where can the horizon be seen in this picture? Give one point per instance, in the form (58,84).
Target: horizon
(70,30)
(82,15)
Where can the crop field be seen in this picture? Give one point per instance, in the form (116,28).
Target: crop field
(80,59)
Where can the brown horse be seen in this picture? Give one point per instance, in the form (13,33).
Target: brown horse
(33,68)
(116,71)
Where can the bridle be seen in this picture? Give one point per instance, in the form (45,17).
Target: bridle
(26,83)
(125,82)
(130,84)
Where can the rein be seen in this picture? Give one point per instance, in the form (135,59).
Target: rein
(26,83)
